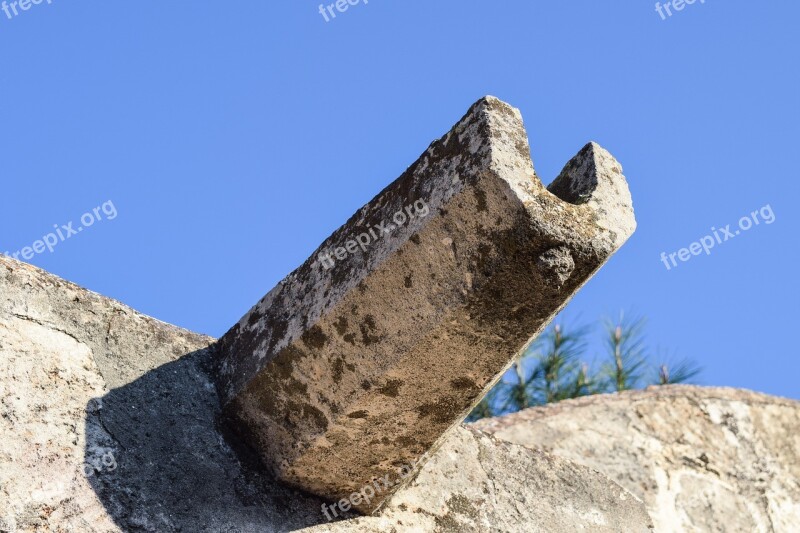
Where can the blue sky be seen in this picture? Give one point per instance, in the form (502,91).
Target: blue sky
(232,139)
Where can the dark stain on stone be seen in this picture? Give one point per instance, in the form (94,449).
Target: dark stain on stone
(341,325)
(315,338)
(314,416)
(405,441)
(301,388)
(339,275)
(392,388)
(447,524)
(463,383)
(415,239)
(333,406)
(277,327)
(368,328)
(443,410)
(358,414)
(366,385)
(350,338)
(338,369)
(407,282)
(457,505)
(293,410)
(281,367)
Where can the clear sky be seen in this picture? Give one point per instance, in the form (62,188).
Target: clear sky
(232,138)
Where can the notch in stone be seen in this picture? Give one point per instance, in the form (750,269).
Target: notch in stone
(366,356)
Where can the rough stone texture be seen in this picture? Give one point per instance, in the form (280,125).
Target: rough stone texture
(475,483)
(46,380)
(703,459)
(107,422)
(78,455)
(341,375)
(120,353)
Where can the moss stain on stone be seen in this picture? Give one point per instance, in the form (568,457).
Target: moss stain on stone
(338,369)
(315,338)
(391,388)
(368,327)
(341,325)
(442,410)
(463,383)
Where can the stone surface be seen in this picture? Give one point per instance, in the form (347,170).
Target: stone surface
(107,422)
(121,354)
(475,483)
(703,459)
(80,455)
(360,362)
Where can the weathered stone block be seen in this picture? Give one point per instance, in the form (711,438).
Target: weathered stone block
(701,458)
(362,359)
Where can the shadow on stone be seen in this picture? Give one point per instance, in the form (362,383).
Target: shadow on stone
(157,460)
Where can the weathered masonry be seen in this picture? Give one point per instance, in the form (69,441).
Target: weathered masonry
(341,375)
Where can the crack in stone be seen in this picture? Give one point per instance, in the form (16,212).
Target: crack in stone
(52,328)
